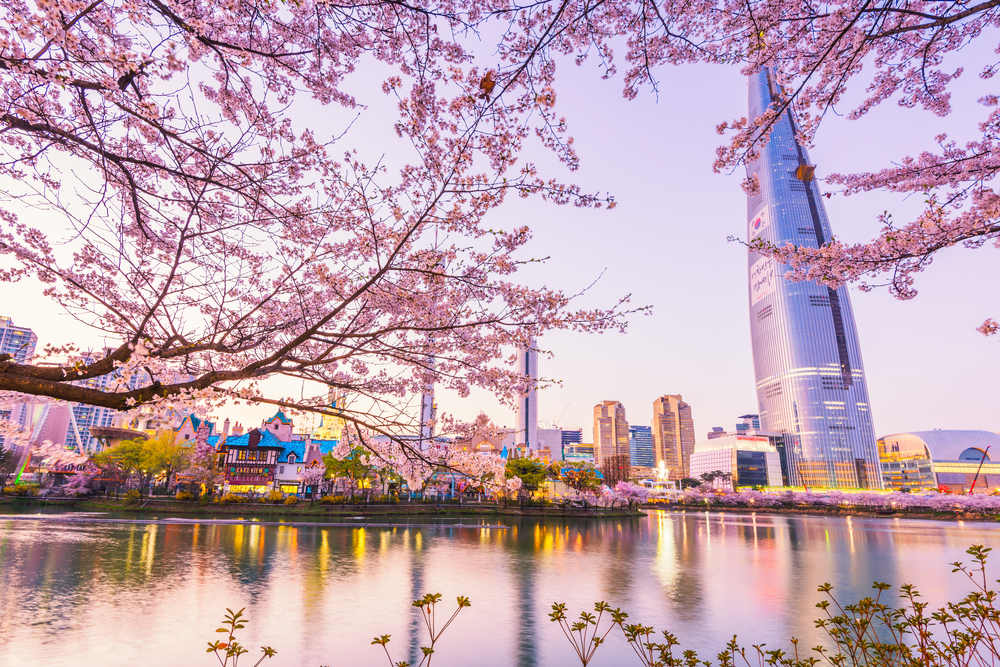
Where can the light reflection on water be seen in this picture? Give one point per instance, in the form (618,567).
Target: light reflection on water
(117,594)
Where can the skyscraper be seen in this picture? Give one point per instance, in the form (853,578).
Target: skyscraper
(640,445)
(526,429)
(807,360)
(673,435)
(610,431)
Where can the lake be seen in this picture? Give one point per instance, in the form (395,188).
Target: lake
(153,594)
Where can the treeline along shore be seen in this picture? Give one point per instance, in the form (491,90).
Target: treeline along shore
(317,508)
(894,505)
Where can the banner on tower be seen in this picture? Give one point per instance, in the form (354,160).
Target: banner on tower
(758,223)
(763,279)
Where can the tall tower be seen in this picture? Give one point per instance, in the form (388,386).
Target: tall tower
(610,431)
(673,435)
(807,360)
(526,431)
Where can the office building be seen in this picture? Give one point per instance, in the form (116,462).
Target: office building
(807,359)
(673,435)
(640,446)
(610,431)
(749,460)
(572,436)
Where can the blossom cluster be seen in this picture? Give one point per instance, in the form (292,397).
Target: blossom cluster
(935,502)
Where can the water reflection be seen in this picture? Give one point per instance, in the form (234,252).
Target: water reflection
(121,594)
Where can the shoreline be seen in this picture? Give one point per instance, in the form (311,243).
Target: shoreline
(310,510)
(313,511)
(833,511)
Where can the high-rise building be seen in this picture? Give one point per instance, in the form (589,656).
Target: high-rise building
(526,429)
(640,445)
(572,436)
(428,413)
(18,342)
(610,431)
(673,435)
(807,360)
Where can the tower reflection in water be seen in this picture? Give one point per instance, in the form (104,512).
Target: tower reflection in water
(121,594)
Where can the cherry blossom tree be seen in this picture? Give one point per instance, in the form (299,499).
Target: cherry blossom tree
(631,494)
(159,176)
(224,239)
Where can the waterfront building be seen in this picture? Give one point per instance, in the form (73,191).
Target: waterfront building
(251,460)
(187,432)
(293,461)
(640,446)
(526,428)
(610,431)
(807,359)
(751,460)
(673,435)
(953,460)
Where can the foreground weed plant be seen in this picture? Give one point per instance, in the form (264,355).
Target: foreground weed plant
(428,612)
(585,634)
(229,651)
(868,633)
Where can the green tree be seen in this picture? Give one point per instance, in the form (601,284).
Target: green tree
(690,483)
(163,456)
(531,471)
(355,466)
(581,476)
(123,462)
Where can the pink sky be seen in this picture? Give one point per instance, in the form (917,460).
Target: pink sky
(666,244)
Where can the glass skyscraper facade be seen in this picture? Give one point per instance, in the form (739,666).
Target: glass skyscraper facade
(807,360)
(640,445)
(18,342)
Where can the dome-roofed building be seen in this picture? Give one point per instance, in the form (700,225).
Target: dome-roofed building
(955,460)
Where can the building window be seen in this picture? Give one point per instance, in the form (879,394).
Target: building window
(281,470)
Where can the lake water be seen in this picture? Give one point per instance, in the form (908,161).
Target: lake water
(153,594)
